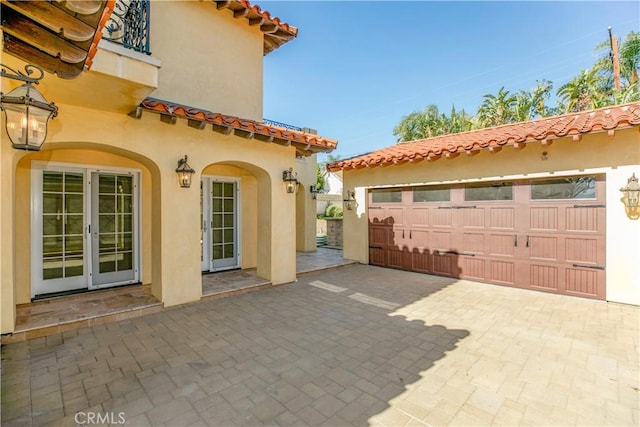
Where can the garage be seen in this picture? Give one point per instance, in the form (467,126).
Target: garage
(545,234)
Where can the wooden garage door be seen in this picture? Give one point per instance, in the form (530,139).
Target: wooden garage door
(544,234)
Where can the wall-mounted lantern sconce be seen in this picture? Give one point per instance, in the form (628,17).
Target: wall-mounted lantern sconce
(349,199)
(184,172)
(314,191)
(631,197)
(26,111)
(290,179)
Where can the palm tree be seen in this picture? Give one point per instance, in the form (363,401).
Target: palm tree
(583,92)
(497,109)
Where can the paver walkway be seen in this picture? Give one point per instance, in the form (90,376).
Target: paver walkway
(356,346)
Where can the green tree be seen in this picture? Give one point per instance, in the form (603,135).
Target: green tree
(431,122)
(497,109)
(583,92)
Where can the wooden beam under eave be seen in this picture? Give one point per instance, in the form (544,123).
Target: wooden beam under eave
(137,113)
(222,4)
(612,132)
(450,155)
(225,130)
(196,124)
(471,153)
(263,138)
(546,142)
(243,133)
(576,138)
(166,118)
(519,146)
(256,21)
(433,157)
(495,149)
(241,13)
(268,28)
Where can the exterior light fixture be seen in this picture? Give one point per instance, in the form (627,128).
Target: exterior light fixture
(26,111)
(314,191)
(631,197)
(290,179)
(184,172)
(349,199)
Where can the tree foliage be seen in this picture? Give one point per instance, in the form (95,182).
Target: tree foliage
(592,88)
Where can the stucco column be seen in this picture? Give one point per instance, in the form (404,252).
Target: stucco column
(306,205)
(7,230)
(283,233)
(179,216)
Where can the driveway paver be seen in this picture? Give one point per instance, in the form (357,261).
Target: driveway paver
(357,346)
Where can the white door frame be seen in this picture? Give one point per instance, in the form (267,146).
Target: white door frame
(40,286)
(207,258)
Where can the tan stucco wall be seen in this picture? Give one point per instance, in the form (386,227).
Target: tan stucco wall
(617,157)
(209,59)
(172,253)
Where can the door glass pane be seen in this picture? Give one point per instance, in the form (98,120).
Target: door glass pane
(387,195)
(217,220)
(107,223)
(73,203)
(583,187)
(125,242)
(74,182)
(107,204)
(217,252)
(217,236)
(107,184)
(228,205)
(52,268)
(126,223)
(51,225)
(107,262)
(125,184)
(52,203)
(228,190)
(74,266)
(431,194)
(228,235)
(217,190)
(62,224)
(52,181)
(217,204)
(228,251)
(228,220)
(488,191)
(125,261)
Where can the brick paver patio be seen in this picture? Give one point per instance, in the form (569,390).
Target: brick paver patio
(356,346)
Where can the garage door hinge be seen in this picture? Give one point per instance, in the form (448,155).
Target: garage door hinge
(594,267)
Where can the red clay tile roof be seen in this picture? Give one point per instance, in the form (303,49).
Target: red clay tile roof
(305,143)
(516,134)
(276,32)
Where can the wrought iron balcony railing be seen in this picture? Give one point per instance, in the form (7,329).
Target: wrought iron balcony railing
(129,25)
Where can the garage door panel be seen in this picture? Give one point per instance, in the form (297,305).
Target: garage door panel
(581,250)
(582,219)
(473,218)
(395,216)
(419,217)
(440,240)
(444,264)
(420,261)
(474,242)
(377,256)
(395,258)
(502,272)
(502,217)
(502,244)
(544,277)
(543,247)
(543,218)
(583,282)
(441,218)
(472,268)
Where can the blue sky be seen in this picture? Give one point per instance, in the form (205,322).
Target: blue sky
(357,67)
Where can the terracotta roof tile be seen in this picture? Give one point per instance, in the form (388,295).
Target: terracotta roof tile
(549,128)
(305,143)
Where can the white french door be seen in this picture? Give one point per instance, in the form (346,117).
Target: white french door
(84,228)
(219,216)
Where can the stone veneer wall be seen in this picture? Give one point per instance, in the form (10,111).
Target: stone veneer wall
(334,232)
